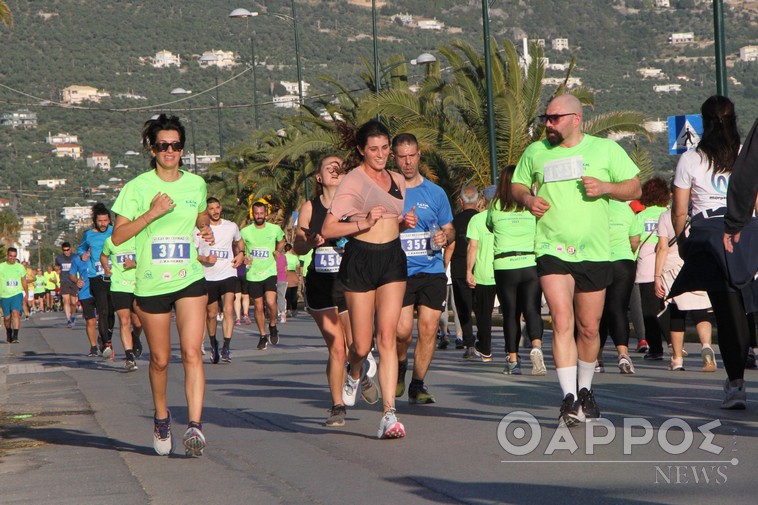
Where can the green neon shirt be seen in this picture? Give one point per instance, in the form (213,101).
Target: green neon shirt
(166,255)
(484,270)
(621,226)
(122,280)
(514,232)
(260,244)
(575,228)
(10,276)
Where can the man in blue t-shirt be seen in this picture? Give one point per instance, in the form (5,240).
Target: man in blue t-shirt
(426,289)
(100,285)
(79,273)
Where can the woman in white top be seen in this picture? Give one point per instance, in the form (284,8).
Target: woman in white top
(702,178)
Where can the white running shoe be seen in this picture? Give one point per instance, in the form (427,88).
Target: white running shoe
(194,440)
(350,390)
(538,361)
(390,427)
(371,365)
(163,443)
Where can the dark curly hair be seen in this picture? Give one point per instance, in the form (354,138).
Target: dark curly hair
(353,138)
(655,192)
(157,124)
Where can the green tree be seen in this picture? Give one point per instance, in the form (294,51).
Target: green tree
(9,228)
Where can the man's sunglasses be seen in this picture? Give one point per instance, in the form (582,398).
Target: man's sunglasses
(553,118)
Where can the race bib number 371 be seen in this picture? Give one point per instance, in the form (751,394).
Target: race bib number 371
(170,250)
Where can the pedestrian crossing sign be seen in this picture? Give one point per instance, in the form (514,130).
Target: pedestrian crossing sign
(684,132)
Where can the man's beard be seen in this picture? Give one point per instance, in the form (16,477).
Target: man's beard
(554,137)
(260,221)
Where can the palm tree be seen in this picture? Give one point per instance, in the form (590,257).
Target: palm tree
(9,228)
(451,117)
(5,14)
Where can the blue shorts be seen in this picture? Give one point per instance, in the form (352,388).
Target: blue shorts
(13,303)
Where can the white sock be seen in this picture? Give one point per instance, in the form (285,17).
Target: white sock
(586,371)
(567,380)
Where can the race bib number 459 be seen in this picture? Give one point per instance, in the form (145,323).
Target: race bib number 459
(170,250)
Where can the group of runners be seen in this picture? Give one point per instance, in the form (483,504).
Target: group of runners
(381,241)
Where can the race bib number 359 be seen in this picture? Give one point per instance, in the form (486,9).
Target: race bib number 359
(415,243)
(170,250)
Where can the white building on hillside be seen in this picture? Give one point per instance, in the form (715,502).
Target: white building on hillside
(218,58)
(292,87)
(51,183)
(749,53)
(682,38)
(164,59)
(68,151)
(560,44)
(98,160)
(61,138)
(74,95)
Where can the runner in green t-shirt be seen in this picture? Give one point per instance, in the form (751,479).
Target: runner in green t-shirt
(120,264)
(262,242)
(480,275)
(160,209)
(574,175)
(518,286)
(39,290)
(12,291)
(615,321)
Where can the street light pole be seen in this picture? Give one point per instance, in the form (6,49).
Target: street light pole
(490,93)
(297,56)
(182,91)
(255,84)
(377,84)
(718,33)
(218,113)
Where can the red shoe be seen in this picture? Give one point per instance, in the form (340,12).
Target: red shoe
(642,346)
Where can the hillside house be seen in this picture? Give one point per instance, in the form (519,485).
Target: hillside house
(560,44)
(292,88)
(218,58)
(651,73)
(51,183)
(74,95)
(429,24)
(165,59)
(749,53)
(667,88)
(98,160)
(68,151)
(682,38)
(22,118)
(61,138)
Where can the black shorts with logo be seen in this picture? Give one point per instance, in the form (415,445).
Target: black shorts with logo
(88,308)
(588,275)
(161,304)
(425,289)
(122,300)
(217,289)
(366,266)
(256,289)
(324,291)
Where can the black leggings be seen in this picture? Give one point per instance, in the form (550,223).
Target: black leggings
(484,303)
(651,306)
(615,320)
(291,298)
(675,319)
(519,293)
(464,304)
(734,334)
(106,317)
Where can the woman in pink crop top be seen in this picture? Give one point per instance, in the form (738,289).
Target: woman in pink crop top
(368,207)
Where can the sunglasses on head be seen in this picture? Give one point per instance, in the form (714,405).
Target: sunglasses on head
(163,146)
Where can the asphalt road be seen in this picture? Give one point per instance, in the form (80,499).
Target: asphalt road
(77,430)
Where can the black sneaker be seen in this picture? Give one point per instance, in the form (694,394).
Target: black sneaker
(589,406)
(262,343)
(402,369)
(336,416)
(137,347)
(470,354)
(226,355)
(92,352)
(444,341)
(274,334)
(570,411)
(459,343)
(214,354)
(653,356)
(419,395)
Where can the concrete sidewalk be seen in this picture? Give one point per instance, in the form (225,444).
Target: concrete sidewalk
(77,430)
